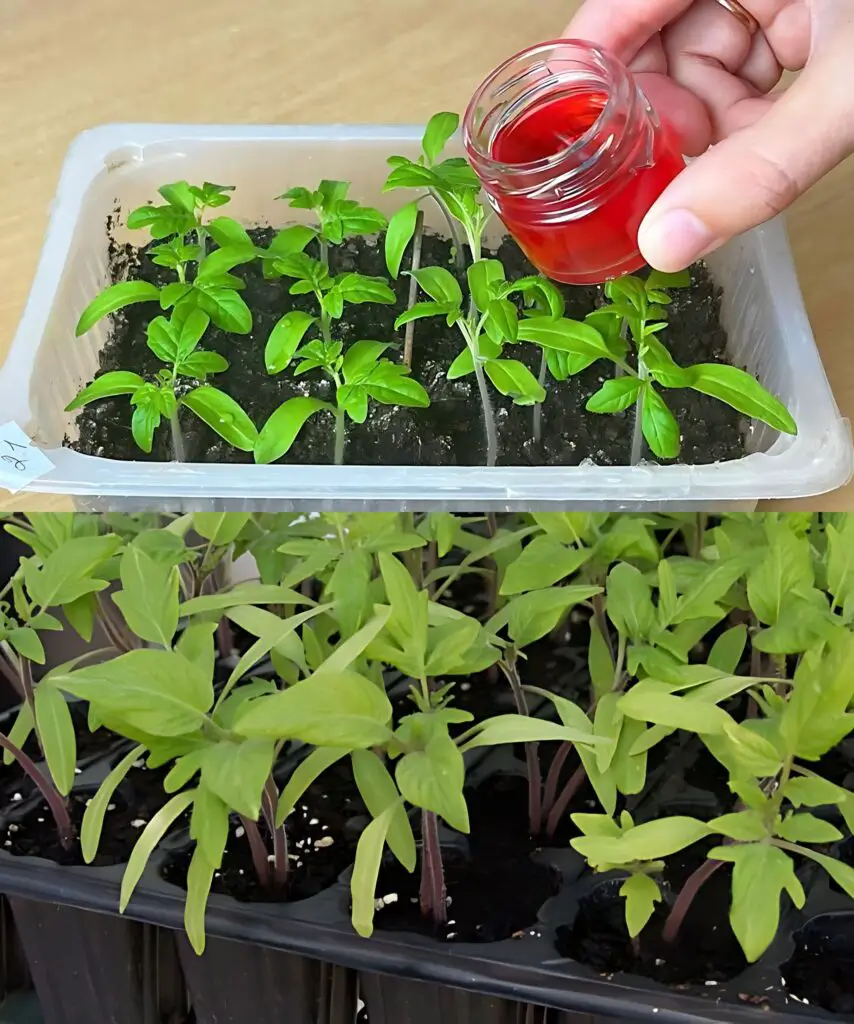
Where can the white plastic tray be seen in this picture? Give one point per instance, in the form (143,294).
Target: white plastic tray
(120,167)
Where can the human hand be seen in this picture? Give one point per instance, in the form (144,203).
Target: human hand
(709,78)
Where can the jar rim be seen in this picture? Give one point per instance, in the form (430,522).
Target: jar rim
(583,141)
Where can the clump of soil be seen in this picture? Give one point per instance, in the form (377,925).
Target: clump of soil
(450,432)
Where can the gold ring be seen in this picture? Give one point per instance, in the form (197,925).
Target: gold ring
(743,15)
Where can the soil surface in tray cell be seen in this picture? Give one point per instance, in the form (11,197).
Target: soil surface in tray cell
(448,433)
(490,896)
(322,834)
(137,800)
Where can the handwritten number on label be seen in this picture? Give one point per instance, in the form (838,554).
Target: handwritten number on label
(14,460)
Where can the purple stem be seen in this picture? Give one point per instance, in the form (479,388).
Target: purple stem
(280,839)
(569,791)
(433,904)
(686,897)
(64,826)
(259,852)
(12,677)
(553,777)
(532,760)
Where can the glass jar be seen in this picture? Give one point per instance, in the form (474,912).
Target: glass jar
(572,157)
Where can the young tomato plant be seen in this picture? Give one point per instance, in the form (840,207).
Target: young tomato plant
(446,182)
(182,384)
(640,306)
(491,321)
(360,373)
(213,289)
(71,564)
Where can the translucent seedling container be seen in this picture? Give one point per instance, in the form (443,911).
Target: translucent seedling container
(118,167)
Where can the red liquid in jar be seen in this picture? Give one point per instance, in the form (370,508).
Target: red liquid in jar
(582,247)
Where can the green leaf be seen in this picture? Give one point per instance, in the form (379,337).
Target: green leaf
(303,776)
(114,298)
(659,425)
(811,791)
(423,310)
(440,129)
(439,284)
(345,710)
(754,753)
(220,528)
(108,385)
(840,562)
(615,396)
(227,232)
(148,841)
(56,733)
(149,596)
(282,428)
(158,692)
(285,339)
(199,878)
(366,869)
(96,808)
(531,616)
(224,305)
(408,604)
(641,893)
(209,824)
(180,195)
(401,231)
(237,772)
(380,794)
(654,840)
(220,261)
(840,872)
(742,392)
(629,601)
(20,731)
(349,650)
(27,643)
(201,364)
(410,175)
(290,241)
(807,828)
(484,276)
(760,875)
(71,571)
(659,280)
(501,729)
(223,415)
(242,594)
(515,380)
(389,384)
(728,650)
(502,322)
(432,779)
(607,724)
(580,340)
(358,288)
(744,826)
(645,704)
(600,662)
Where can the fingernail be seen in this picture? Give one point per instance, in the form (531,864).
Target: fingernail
(673,239)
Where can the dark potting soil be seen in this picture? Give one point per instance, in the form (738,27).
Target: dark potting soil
(322,835)
(34,834)
(489,897)
(821,970)
(450,432)
(706,950)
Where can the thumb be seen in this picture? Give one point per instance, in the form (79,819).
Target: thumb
(754,174)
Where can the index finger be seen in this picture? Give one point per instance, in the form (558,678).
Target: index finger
(623,26)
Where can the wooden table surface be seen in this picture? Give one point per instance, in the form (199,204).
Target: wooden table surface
(67,66)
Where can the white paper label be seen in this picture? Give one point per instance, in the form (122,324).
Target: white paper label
(21,461)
